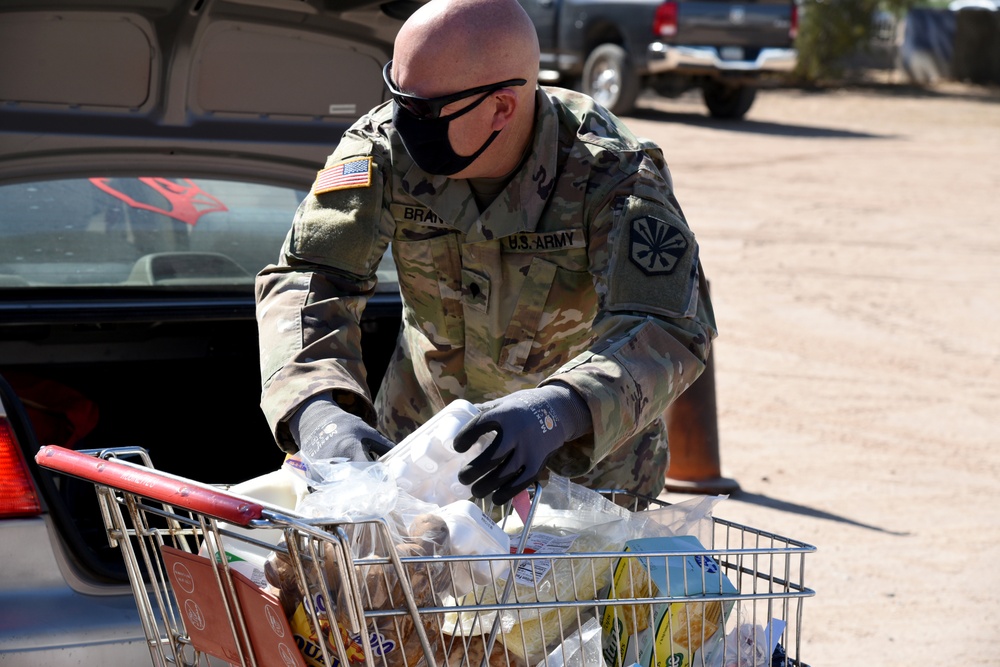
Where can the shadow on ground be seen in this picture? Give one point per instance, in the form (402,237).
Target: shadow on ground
(648,107)
(751,126)
(785,506)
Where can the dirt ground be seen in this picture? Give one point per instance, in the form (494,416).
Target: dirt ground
(852,241)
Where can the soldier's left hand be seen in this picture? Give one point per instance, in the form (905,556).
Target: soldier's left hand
(529,426)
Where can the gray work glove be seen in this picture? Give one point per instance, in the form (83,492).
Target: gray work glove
(323,430)
(530,425)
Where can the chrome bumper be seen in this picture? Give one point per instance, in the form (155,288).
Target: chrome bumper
(668,57)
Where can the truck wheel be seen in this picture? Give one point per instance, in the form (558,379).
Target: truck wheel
(728,102)
(608,77)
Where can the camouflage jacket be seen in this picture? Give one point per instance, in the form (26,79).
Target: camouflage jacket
(583,270)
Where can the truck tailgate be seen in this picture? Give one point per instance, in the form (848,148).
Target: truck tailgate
(755,24)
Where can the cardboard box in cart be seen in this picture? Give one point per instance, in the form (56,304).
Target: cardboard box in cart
(668,634)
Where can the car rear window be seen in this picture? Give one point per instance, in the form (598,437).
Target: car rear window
(140,231)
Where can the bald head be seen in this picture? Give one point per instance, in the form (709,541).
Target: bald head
(450,45)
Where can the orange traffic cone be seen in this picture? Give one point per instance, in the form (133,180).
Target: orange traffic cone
(692,429)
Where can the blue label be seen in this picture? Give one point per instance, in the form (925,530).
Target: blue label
(708,563)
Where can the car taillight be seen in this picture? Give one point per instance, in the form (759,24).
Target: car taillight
(665,20)
(17,491)
(793,27)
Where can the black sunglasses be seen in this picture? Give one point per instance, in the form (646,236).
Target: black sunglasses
(428,108)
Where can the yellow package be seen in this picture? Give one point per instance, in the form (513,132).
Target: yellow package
(308,641)
(667,634)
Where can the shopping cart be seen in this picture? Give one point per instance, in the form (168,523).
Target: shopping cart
(325,601)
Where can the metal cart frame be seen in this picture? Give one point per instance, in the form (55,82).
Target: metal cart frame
(388,609)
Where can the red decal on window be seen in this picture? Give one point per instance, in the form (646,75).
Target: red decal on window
(188,202)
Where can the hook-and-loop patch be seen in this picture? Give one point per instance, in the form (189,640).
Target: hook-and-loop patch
(654,263)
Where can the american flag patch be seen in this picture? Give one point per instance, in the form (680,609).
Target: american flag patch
(350,174)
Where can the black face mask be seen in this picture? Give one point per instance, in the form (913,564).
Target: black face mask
(426,140)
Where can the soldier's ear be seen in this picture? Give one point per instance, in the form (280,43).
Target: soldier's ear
(505,105)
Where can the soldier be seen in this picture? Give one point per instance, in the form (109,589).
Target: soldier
(547,272)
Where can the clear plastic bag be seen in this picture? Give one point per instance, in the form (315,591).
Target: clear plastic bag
(746,645)
(344,490)
(581,649)
(568,518)
(689,517)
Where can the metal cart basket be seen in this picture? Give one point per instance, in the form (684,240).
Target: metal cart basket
(335,593)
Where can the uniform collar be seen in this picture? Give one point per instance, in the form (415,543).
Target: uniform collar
(515,210)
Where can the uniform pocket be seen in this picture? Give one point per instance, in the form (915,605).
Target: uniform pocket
(429,281)
(552,319)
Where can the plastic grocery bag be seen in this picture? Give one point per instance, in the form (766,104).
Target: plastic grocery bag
(581,649)
(690,517)
(746,645)
(378,518)
(569,518)
(344,490)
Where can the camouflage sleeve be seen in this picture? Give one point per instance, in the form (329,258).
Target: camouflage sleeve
(655,322)
(309,303)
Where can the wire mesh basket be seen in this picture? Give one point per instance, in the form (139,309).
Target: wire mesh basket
(221,578)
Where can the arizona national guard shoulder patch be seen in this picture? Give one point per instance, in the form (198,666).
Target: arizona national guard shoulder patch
(655,246)
(654,262)
(354,173)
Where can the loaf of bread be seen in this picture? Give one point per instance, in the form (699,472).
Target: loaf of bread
(394,639)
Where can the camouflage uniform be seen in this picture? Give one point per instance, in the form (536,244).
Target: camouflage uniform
(583,270)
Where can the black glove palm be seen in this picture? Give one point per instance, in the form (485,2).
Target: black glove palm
(530,425)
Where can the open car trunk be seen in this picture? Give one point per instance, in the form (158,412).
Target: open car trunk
(186,389)
(152,154)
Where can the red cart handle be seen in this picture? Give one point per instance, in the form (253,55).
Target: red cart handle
(149,483)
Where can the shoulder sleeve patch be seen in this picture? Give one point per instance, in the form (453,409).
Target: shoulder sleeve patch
(338,224)
(354,173)
(655,246)
(654,262)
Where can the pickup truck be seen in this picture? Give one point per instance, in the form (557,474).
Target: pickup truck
(615,49)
